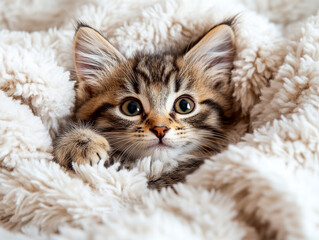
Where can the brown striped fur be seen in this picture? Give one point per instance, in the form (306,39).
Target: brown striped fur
(106,79)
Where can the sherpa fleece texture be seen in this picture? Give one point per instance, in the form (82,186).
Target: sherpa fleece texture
(264,186)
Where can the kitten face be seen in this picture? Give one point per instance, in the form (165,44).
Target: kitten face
(156,105)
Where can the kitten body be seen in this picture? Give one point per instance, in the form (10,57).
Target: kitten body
(173,109)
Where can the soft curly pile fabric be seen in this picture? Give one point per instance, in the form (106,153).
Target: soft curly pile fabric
(265,186)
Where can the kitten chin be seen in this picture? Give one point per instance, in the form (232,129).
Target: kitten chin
(161,153)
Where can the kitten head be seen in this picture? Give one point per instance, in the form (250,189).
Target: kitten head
(156,105)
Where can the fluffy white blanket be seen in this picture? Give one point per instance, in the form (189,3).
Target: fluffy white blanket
(265,186)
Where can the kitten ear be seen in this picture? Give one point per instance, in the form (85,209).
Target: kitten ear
(215,51)
(93,54)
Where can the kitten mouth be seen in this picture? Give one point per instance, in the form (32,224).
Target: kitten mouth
(160,145)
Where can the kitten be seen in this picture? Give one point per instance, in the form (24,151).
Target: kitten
(175,109)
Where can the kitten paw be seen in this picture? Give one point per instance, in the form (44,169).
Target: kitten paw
(81,146)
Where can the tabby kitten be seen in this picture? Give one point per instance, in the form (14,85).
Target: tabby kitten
(174,109)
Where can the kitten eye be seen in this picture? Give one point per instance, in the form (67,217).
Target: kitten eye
(131,107)
(184,105)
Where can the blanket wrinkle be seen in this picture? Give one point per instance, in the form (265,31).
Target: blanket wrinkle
(263,186)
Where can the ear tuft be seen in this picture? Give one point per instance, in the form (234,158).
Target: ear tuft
(93,54)
(215,51)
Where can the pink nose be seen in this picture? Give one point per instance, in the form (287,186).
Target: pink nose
(159,131)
